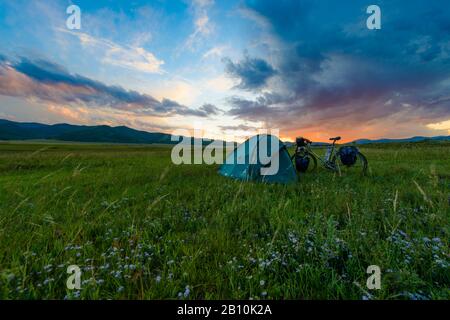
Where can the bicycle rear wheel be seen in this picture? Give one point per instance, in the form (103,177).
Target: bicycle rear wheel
(363,162)
(360,166)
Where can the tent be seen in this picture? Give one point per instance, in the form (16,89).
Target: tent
(261,158)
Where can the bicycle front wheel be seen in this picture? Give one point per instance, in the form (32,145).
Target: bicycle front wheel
(312,162)
(305,163)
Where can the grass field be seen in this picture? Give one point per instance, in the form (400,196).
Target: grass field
(142,228)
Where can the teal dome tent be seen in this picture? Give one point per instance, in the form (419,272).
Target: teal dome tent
(251,159)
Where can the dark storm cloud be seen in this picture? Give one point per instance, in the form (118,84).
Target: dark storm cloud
(50,82)
(252,73)
(330,67)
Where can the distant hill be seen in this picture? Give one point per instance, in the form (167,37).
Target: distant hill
(368,141)
(10,130)
(314,144)
(413,139)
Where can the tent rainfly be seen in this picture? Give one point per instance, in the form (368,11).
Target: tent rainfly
(261,158)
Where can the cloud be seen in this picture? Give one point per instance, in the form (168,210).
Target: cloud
(210,109)
(444,125)
(240,127)
(216,51)
(260,109)
(336,77)
(176,88)
(49,82)
(202,24)
(220,83)
(253,73)
(81,115)
(130,57)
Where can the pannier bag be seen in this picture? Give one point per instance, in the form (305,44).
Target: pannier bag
(301,163)
(300,142)
(348,155)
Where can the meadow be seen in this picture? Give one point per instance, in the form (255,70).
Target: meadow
(140,227)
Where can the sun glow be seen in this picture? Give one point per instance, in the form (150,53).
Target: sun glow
(444,125)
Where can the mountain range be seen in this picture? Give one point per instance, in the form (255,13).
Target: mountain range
(11,130)
(412,139)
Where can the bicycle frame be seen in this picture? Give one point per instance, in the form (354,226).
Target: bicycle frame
(325,160)
(329,160)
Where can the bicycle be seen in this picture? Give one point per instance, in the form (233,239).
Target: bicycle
(350,157)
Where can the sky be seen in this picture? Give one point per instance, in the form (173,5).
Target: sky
(305,67)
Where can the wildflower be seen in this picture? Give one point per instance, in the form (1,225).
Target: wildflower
(264,293)
(158,279)
(402,233)
(120,289)
(85,282)
(262,283)
(104,267)
(186,292)
(292,238)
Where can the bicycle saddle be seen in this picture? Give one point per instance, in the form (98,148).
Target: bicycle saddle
(335,139)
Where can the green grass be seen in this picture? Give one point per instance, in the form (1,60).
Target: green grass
(143,228)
